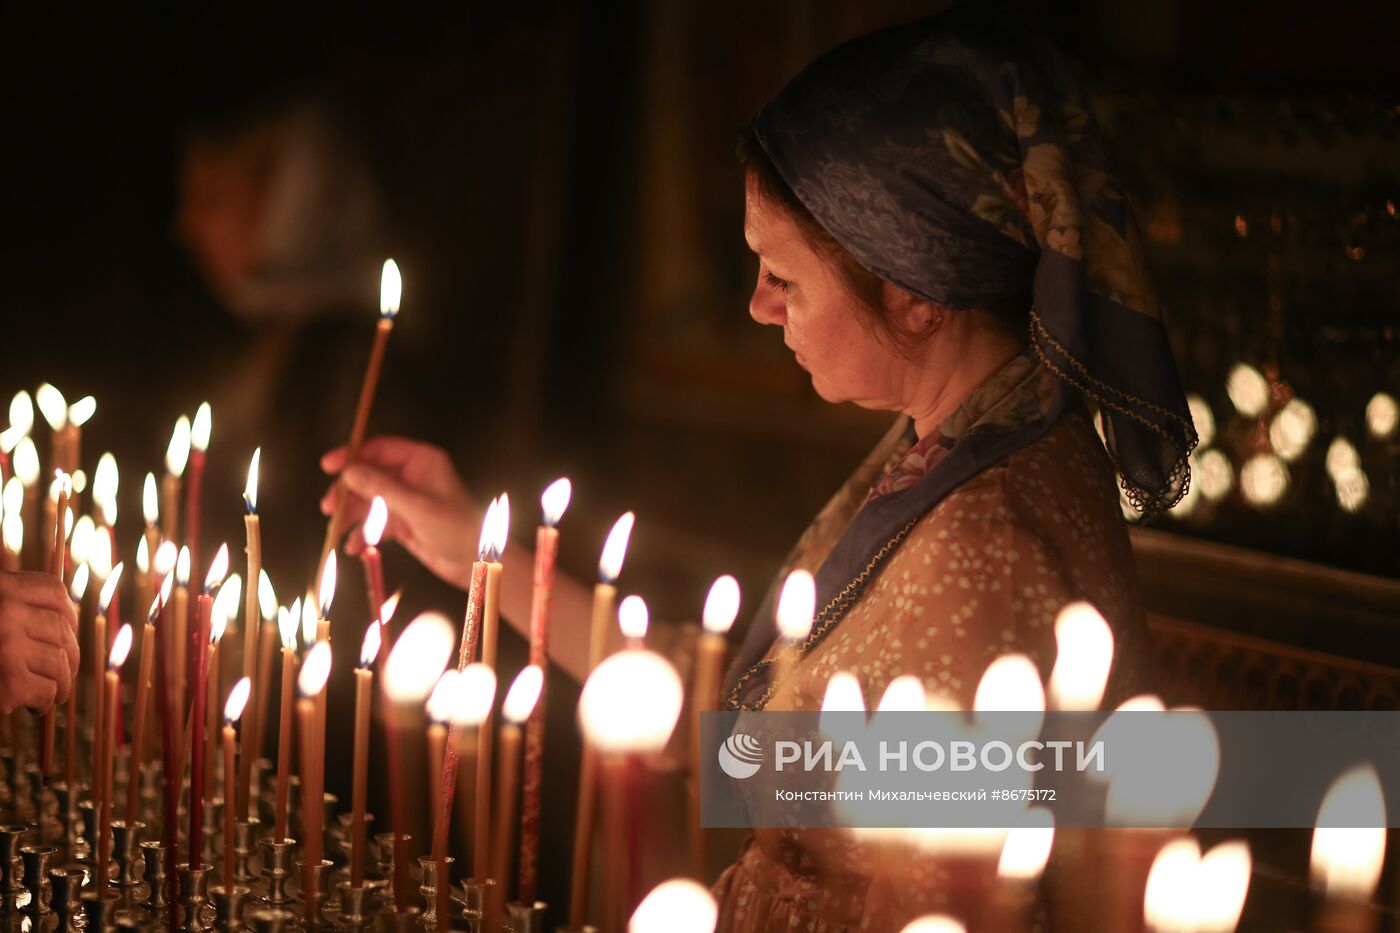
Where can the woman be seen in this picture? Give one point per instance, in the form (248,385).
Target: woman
(938,236)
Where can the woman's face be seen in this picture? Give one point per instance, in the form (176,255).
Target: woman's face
(822,321)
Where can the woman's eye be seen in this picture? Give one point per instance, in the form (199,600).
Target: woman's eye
(775,282)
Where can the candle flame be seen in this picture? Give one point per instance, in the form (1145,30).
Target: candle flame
(934,923)
(1348,847)
(121,647)
(721,605)
(67,521)
(615,549)
(267,597)
(632,618)
(250,488)
(1011,684)
(26,462)
(10,438)
(327,592)
(1084,645)
(488,532)
(1027,846)
(52,406)
(904,694)
(443,697)
(218,567)
(498,518)
(1168,901)
(167,556)
(164,596)
(555,499)
(12,498)
(390,289)
(1154,739)
(81,411)
(177,454)
(843,696)
(476,692)
(109,588)
(150,500)
(612,719)
(308,619)
(369,647)
(237,700)
(315,670)
(81,547)
(419,655)
(21,412)
(287,622)
(676,906)
(100,556)
(524,692)
(225,608)
(375,521)
(143,555)
(796,606)
(105,483)
(12,530)
(1223,885)
(80,583)
(202,427)
(390,606)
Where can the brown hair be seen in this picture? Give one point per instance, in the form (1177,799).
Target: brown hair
(866,286)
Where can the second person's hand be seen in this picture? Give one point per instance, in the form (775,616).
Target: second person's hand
(431,513)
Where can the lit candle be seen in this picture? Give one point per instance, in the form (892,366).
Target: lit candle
(26,464)
(475,695)
(267,644)
(149,544)
(797,606)
(419,656)
(233,709)
(1348,852)
(498,519)
(143,687)
(170,738)
(553,502)
(364,677)
(604,602)
(676,906)
(199,446)
(177,455)
(721,606)
(1186,891)
(373,529)
(78,589)
(54,408)
(633,619)
(440,703)
(620,728)
(519,705)
(107,737)
(79,413)
(21,423)
(251,628)
(218,567)
(106,481)
(225,608)
(312,680)
(390,294)
(12,525)
(287,622)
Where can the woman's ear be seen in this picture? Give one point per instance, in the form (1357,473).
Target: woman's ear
(910,313)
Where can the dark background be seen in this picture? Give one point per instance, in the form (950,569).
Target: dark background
(556,181)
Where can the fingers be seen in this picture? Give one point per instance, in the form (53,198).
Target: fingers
(50,663)
(386,451)
(49,628)
(405,503)
(41,590)
(36,693)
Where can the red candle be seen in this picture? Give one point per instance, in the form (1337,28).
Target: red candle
(554,501)
(199,444)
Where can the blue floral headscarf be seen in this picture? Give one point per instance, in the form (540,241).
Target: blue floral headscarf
(957,159)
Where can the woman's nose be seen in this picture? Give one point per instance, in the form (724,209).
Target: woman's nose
(767,305)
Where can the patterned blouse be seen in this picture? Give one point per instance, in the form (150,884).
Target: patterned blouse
(982,574)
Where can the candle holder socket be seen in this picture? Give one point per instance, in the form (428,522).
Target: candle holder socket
(383,850)
(153,854)
(34,860)
(229,905)
(435,885)
(125,838)
(476,894)
(194,895)
(355,904)
(212,830)
(66,884)
(101,910)
(277,870)
(85,841)
(526,918)
(11,836)
(67,798)
(315,890)
(243,835)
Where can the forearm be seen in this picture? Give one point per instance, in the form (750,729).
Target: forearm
(570,617)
